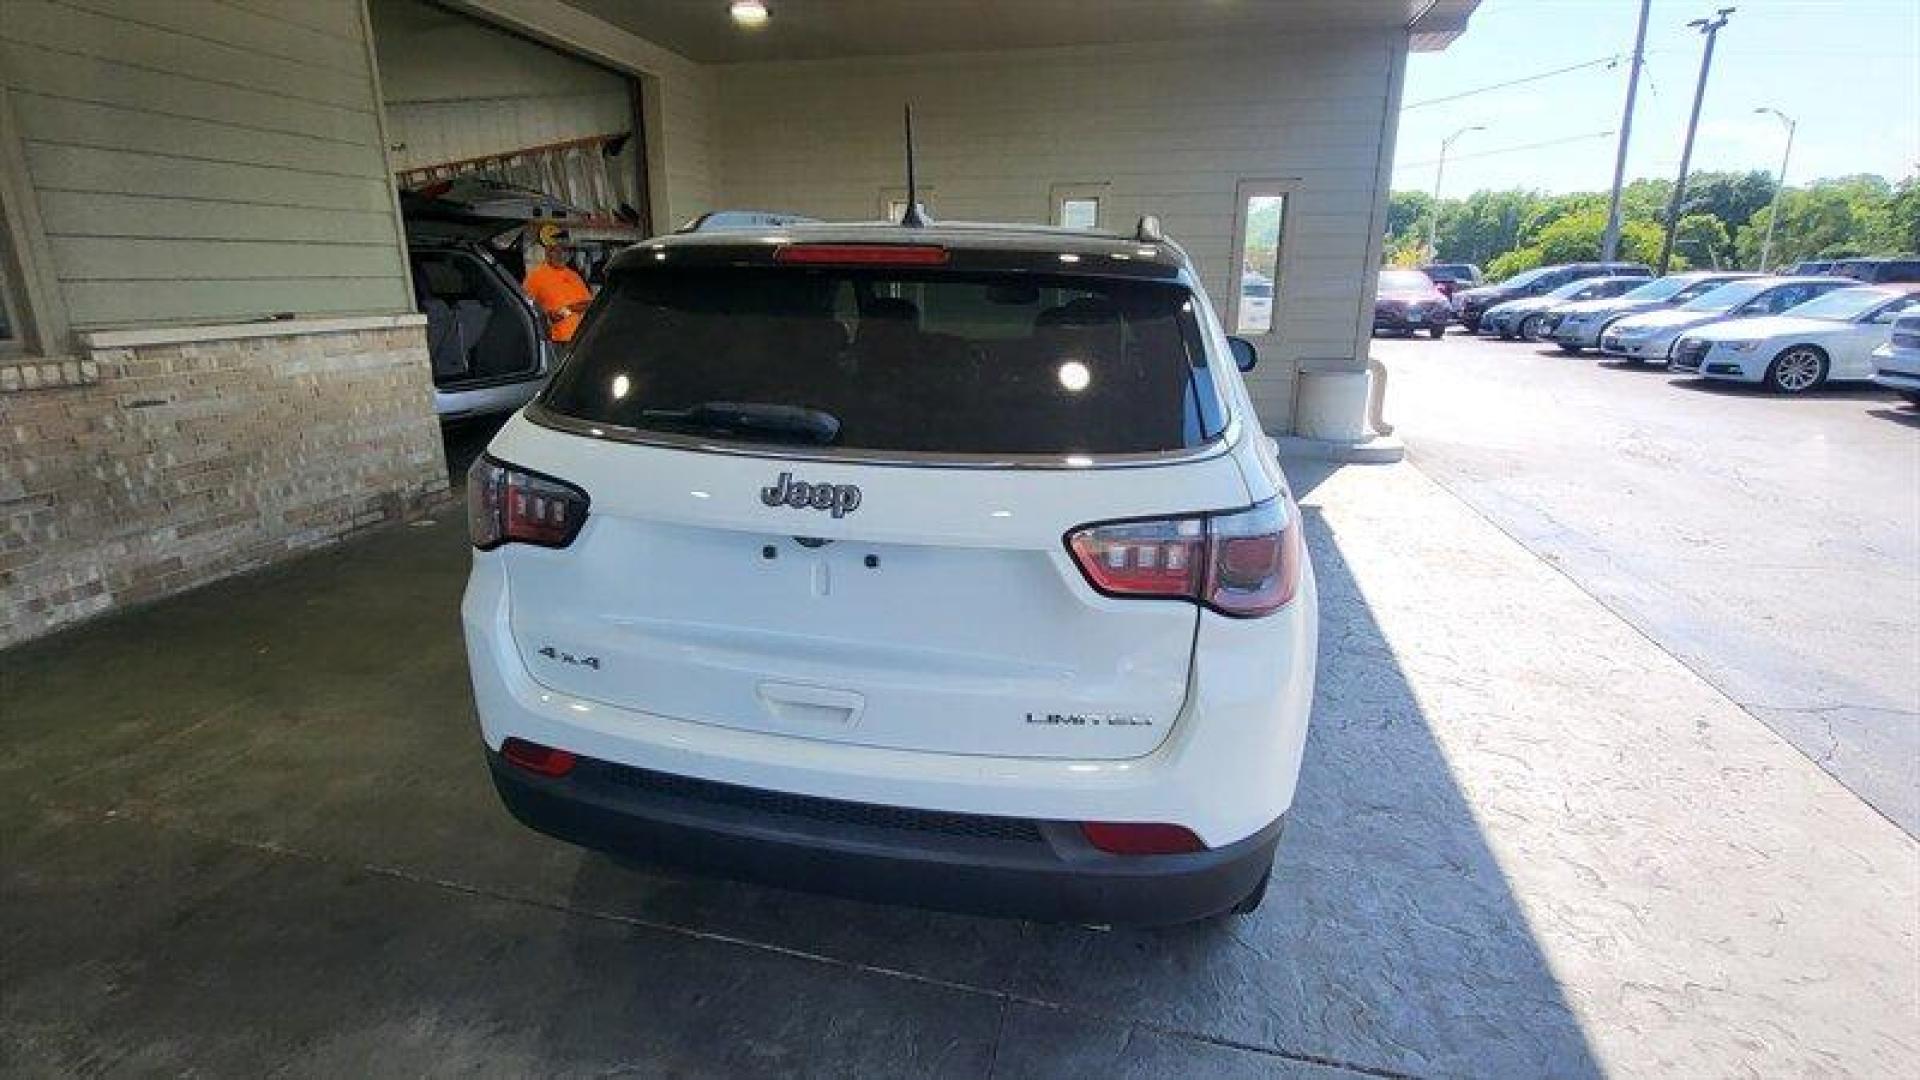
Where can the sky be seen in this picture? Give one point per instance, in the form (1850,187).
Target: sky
(1848,71)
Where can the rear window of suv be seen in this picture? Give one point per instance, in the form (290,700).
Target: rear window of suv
(872,359)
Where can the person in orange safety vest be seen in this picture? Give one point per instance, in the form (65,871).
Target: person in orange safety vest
(556,289)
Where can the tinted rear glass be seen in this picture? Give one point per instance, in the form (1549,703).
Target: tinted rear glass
(914,361)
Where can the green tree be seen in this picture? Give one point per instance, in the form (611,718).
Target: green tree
(1483,225)
(1505,266)
(1729,197)
(1703,239)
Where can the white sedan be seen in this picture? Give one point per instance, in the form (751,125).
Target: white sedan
(1655,334)
(1829,338)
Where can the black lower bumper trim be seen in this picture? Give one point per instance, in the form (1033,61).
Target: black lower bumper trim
(1057,878)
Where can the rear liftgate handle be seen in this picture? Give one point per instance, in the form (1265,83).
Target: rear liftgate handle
(811,706)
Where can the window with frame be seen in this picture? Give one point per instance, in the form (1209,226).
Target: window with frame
(1078,205)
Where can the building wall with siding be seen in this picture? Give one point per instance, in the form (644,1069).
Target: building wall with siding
(1169,130)
(198,161)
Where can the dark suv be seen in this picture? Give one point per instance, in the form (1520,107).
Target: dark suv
(1473,303)
(1882,271)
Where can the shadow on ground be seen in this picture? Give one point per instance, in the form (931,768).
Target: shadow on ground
(249,831)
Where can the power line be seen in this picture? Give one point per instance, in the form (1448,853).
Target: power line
(1510,149)
(1614,59)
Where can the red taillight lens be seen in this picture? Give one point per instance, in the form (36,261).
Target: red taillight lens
(1144,558)
(1120,838)
(507,506)
(1245,563)
(1253,559)
(862,255)
(536,758)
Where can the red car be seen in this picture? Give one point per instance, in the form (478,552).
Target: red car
(1407,301)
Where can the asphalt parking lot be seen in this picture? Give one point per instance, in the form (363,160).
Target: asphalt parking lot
(1772,544)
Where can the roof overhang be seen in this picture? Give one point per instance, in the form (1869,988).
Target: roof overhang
(831,29)
(1437,22)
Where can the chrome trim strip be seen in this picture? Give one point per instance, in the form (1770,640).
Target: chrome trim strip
(540,414)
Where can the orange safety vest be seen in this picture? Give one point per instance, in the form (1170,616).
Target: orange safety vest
(560,293)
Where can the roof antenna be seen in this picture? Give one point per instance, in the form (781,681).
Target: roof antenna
(914,217)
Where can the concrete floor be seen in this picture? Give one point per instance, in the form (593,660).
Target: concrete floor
(248,832)
(1771,543)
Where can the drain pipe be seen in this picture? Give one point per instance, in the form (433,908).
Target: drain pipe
(1377,397)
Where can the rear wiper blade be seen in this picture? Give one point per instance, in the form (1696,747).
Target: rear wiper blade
(752,418)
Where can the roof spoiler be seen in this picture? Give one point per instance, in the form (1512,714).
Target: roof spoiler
(716,220)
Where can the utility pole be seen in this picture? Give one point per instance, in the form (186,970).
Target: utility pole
(1773,212)
(1711,28)
(1440,171)
(1610,248)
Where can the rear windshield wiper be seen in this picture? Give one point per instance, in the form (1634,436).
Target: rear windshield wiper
(752,419)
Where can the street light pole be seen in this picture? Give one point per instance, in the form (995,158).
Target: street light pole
(1610,247)
(1439,172)
(1711,28)
(1773,211)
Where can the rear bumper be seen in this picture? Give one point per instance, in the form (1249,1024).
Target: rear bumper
(989,866)
(459,403)
(1388,320)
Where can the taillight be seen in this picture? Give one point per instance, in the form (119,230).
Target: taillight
(506,505)
(1244,563)
(535,758)
(1125,838)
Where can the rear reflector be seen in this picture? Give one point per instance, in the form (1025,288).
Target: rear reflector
(1120,838)
(535,758)
(862,255)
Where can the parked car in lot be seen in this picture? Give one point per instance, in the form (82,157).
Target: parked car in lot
(921,564)
(1808,266)
(486,341)
(1651,335)
(1256,302)
(1897,363)
(1450,278)
(1471,304)
(1827,339)
(1406,301)
(1526,318)
(1578,326)
(1879,271)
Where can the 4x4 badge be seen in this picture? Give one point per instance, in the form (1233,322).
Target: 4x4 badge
(841,499)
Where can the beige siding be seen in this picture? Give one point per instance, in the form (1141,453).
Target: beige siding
(199,161)
(1169,129)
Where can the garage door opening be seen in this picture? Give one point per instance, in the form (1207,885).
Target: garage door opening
(491,136)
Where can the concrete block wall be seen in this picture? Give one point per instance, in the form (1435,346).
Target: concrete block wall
(133,471)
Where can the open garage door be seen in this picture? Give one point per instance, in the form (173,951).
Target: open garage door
(465,99)
(491,136)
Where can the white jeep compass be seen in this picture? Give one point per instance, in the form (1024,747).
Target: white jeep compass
(943,565)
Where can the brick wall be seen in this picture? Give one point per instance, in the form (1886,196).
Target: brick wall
(129,473)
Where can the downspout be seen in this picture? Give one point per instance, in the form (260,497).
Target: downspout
(1377,225)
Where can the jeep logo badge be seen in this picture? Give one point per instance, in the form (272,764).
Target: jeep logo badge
(842,499)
